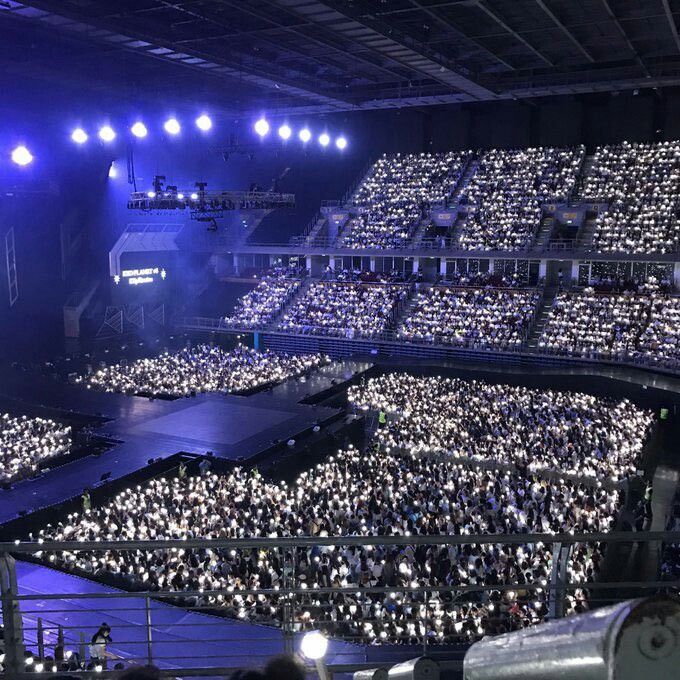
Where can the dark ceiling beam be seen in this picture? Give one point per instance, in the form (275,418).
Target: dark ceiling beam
(200,17)
(492,15)
(318,40)
(626,39)
(232,68)
(671,23)
(462,78)
(456,31)
(572,38)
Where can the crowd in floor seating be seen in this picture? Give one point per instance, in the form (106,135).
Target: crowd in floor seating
(505,195)
(203,368)
(26,443)
(356,493)
(641,184)
(258,307)
(396,195)
(344,309)
(670,558)
(471,317)
(642,327)
(539,431)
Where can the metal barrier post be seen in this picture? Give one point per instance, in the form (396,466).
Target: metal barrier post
(287,609)
(426,602)
(554,577)
(82,648)
(149,652)
(41,639)
(11,616)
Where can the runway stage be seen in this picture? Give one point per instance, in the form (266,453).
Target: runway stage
(234,428)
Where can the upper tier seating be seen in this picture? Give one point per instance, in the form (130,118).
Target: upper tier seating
(506,193)
(397,194)
(641,183)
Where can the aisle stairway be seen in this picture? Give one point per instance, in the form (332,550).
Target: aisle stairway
(304,287)
(317,230)
(541,318)
(545,231)
(584,239)
(464,180)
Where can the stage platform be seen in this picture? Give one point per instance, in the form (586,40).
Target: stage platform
(233,428)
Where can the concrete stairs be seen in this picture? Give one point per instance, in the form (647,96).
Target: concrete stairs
(317,231)
(584,238)
(588,162)
(464,180)
(304,287)
(545,231)
(541,318)
(420,232)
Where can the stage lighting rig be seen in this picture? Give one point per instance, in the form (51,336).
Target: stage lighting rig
(205,205)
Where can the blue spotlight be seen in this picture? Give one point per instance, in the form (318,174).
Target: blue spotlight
(151,194)
(22,156)
(262,127)
(107,134)
(204,123)
(139,130)
(79,136)
(172,126)
(285,132)
(341,143)
(305,135)
(324,139)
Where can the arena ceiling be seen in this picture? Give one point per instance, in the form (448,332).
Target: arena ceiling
(339,55)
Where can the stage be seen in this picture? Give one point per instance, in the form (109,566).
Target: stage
(233,428)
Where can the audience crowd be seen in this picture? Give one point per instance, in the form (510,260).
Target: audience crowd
(397,194)
(202,368)
(258,307)
(471,317)
(540,431)
(641,184)
(505,195)
(344,309)
(358,493)
(659,342)
(595,326)
(486,279)
(26,442)
(641,327)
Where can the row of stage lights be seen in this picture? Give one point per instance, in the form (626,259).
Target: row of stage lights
(22,156)
(262,128)
(204,123)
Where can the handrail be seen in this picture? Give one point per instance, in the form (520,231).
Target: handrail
(33,547)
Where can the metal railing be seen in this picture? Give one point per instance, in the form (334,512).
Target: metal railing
(201,630)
